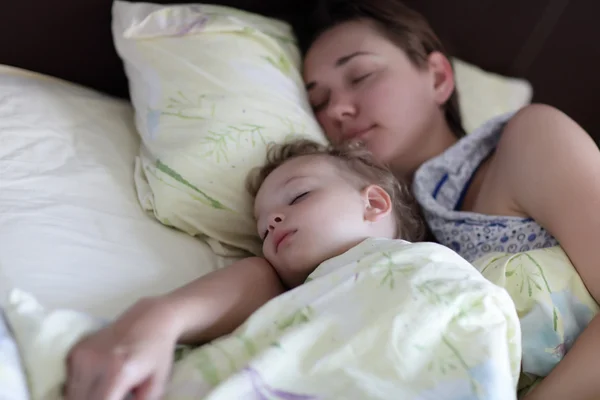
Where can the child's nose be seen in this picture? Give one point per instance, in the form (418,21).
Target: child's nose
(275,220)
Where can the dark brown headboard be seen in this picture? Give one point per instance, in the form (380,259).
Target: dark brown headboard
(552,43)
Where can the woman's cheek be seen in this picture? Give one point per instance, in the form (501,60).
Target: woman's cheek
(375,96)
(328,128)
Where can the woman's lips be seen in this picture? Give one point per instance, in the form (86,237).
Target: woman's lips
(357,134)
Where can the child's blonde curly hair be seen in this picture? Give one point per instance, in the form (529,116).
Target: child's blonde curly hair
(361,164)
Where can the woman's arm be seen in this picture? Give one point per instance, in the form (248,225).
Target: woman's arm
(551,170)
(219,302)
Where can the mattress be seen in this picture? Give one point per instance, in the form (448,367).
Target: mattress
(71,229)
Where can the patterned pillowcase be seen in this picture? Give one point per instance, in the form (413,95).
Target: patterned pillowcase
(212,87)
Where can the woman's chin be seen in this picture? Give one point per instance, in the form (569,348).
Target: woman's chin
(381,153)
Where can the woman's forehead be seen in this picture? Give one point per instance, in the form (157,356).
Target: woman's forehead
(342,41)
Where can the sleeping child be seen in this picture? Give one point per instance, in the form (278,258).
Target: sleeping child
(330,218)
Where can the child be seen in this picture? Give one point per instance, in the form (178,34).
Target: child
(312,206)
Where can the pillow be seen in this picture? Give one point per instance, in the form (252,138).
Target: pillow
(211,86)
(71,228)
(483,95)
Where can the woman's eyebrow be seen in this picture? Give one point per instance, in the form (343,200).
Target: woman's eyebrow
(340,62)
(343,60)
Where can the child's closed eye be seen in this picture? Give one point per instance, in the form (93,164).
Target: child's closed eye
(299,198)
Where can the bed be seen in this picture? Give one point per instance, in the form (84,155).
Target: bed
(72,231)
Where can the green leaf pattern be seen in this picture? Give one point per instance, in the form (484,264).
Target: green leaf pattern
(199,107)
(218,142)
(206,199)
(281,63)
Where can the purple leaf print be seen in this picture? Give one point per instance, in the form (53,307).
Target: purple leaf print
(262,389)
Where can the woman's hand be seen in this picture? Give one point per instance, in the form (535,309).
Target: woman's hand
(132,355)
(135,353)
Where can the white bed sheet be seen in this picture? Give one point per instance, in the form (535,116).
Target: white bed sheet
(71,230)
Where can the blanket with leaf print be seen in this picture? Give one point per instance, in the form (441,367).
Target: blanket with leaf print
(387,319)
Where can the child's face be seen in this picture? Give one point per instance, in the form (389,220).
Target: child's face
(307,212)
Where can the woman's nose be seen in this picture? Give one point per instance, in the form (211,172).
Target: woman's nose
(341,108)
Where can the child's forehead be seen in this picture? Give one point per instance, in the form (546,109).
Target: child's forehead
(316,165)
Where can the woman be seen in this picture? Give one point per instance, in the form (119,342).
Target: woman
(376,73)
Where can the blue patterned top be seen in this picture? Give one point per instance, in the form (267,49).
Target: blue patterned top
(440,184)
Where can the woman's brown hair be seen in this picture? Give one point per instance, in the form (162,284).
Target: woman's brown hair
(407,28)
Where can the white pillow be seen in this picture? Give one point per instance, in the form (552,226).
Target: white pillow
(71,227)
(212,86)
(483,95)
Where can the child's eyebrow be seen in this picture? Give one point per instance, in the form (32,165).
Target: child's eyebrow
(293,178)
(287,182)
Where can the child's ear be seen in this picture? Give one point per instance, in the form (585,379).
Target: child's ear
(378,203)
(443,76)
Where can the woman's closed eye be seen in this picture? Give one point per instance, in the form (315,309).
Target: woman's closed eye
(319,106)
(361,78)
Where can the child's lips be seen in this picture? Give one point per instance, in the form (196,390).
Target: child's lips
(280,238)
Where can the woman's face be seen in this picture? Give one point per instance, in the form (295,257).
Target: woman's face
(363,87)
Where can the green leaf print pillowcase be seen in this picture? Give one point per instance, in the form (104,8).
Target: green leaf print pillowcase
(211,87)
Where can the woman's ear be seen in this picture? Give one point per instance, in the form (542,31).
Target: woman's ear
(378,203)
(443,77)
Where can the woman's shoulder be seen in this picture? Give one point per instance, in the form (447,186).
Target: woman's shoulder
(533,122)
(519,142)
(538,136)
(514,139)
(503,133)
(538,141)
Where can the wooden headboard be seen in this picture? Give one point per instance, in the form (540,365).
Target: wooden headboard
(552,43)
